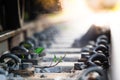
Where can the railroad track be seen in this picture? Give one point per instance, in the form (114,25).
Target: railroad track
(62,61)
(65,69)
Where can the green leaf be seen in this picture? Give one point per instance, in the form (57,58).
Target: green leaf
(23,56)
(60,59)
(38,50)
(26,45)
(55,58)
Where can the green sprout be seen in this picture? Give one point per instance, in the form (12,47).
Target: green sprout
(26,45)
(23,56)
(38,50)
(55,58)
(60,59)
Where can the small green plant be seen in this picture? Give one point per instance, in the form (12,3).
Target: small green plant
(60,59)
(23,57)
(55,58)
(27,45)
(39,50)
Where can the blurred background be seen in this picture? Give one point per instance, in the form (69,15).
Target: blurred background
(80,12)
(79,20)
